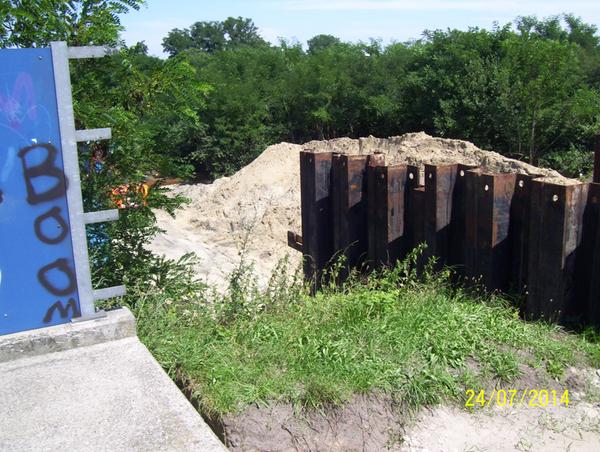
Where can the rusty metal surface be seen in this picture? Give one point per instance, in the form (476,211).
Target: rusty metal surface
(597,160)
(472,274)
(413,234)
(504,232)
(394,198)
(439,192)
(592,308)
(417,213)
(577,201)
(349,208)
(374,161)
(588,260)
(386,209)
(294,241)
(317,244)
(493,208)
(458,231)
(555,234)
(519,232)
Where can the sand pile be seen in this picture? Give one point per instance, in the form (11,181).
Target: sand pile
(262,201)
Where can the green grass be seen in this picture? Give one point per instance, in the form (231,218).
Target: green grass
(417,338)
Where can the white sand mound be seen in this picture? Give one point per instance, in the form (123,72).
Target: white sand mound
(262,200)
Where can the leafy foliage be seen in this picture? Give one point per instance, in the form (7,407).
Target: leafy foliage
(528,91)
(214,36)
(35,23)
(321,42)
(153,113)
(152,107)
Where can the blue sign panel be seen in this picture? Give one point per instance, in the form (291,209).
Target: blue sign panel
(38,285)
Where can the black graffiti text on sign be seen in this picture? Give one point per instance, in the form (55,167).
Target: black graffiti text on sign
(63,311)
(62,226)
(62,266)
(46,168)
(57,277)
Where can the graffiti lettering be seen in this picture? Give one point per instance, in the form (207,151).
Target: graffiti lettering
(63,227)
(57,278)
(60,265)
(46,168)
(64,311)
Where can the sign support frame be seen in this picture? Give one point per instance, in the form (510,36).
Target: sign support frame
(69,138)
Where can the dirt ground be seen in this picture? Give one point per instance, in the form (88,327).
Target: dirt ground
(372,423)
(252,212)
(377,422)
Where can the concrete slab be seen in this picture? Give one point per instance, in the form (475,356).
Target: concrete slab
(106,326)
(112,396)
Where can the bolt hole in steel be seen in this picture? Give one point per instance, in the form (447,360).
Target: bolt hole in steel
(521,184)
(555,198)
(462,173)
(383,176)
(430,175)
(486,188)
(411,176)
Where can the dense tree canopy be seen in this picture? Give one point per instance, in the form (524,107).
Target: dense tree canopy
(321,42)
(528,90)
(214,36)
(34,23)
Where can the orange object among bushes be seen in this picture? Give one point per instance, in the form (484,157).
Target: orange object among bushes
(119,195)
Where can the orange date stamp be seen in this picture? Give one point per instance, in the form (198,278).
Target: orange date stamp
(517,398)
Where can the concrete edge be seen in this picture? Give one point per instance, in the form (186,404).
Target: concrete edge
(118,324)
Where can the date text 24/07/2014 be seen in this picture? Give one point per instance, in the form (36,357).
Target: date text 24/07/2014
(529,397)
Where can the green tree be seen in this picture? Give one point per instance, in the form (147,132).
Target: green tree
(35,23)
(540,80)
(321,42)
(214,36)
(153,113)
(449,87)
(478,85)
(567,27)
(244,109)
(140,98)
(521,93)
(327,93)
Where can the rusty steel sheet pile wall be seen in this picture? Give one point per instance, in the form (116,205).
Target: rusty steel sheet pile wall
(507,232)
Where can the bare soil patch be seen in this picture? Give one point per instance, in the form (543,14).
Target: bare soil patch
(377,422)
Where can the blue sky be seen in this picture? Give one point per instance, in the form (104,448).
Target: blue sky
(349,20)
